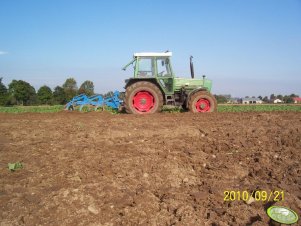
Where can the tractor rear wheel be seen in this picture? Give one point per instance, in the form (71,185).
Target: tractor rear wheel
(143,98)
(202,101)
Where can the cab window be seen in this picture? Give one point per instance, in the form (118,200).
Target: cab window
(145,67)
(163,68)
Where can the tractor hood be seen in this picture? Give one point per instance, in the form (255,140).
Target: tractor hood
(191,84)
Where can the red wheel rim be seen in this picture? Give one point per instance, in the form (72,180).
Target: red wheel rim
(202,105)
(143,101)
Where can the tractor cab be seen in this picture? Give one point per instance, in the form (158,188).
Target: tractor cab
(154,66)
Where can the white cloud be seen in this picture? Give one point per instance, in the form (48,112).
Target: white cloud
(3,52)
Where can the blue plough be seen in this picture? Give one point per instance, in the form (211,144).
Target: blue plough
(95,101)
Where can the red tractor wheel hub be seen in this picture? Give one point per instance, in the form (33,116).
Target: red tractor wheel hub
(143,101)
(202,105)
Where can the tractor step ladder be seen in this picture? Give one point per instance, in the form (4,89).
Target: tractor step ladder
(170,100)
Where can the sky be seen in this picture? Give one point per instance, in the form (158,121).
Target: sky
(246,47)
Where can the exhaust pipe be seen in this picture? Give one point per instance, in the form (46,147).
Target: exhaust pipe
(191,67)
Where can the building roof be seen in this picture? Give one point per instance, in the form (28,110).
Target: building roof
(297,98)
(151,54)
(251,99)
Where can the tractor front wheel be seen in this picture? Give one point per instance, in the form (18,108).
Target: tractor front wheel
(143,98)
(202,101)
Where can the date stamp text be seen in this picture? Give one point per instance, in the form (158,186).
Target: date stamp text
(259,196)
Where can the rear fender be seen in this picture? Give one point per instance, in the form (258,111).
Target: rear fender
(193,92)
(152,80)
(130,81)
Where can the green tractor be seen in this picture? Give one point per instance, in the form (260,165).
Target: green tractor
(154,84)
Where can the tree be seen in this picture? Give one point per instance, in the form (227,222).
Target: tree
(259,97)
(45,95)
(87,87)
(288,99)
(21,92)
(3,94)
(280,97)
(227,96)
(246,96)
(293,95)
(59,96)
(220,99)
(272,97)
(70,88)
(109,94)
(265,99)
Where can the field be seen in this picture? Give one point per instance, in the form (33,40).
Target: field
(163,169)
(221,108)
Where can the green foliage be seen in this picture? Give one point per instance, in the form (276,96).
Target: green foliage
(33,109)
(87,108)
(108,109)
(257,108)
(265,99)
(108,94)
(171,109)
(21,92)
(70,88)
(221,99)
(280,97)
(15,166)
(59,95)
(221,108)
(288,99)
(3,94)
(45,95)
(293,95)
(87,87)
(111,110)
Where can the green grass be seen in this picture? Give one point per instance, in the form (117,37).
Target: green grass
(258,107)
(171,109)
(36,109)
(221,108)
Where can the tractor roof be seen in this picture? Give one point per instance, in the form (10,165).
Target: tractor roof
(152,54)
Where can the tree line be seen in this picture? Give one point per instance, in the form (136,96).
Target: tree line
(288,99)
(20,92)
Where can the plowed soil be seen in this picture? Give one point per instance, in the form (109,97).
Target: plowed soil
(161,169)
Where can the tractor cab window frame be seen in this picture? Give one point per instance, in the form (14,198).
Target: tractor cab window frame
(163,67)
(145,67)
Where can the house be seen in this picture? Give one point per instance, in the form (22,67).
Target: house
(278,101)
(297,100)
(251,101)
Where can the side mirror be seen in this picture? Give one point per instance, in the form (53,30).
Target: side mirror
(162,63)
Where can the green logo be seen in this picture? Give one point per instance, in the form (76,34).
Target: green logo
(282,215)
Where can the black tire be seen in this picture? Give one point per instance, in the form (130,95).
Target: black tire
(184,106)
(206,99)
(135,91)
